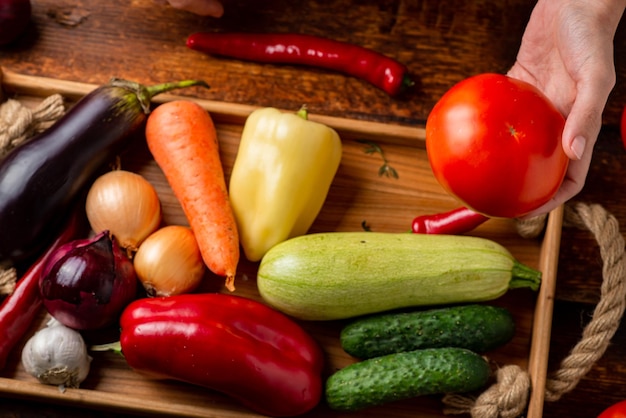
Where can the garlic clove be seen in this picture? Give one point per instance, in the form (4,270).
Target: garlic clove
(57,355)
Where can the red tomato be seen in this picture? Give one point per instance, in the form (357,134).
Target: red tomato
(624,127)
(617,410)
(494,142)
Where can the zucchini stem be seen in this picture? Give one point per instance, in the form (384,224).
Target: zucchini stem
(524,276)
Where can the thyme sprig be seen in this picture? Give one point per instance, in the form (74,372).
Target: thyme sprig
(385,169)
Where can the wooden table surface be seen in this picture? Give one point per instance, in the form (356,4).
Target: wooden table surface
(441,42)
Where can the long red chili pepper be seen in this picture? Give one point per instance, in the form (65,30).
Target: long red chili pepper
(18,310)
(454,222)
(290,48)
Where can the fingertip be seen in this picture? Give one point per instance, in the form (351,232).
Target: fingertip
(577,147)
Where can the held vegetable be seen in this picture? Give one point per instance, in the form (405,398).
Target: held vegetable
(337,275)
(227,343)
(476,327)
(281,176)
(494,142)
(40,179)
(406,375)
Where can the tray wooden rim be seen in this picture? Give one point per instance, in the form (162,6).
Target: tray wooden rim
(234,112)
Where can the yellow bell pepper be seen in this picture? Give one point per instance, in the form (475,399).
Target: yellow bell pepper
(281,176)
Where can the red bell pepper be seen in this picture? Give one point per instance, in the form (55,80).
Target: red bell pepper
(227,343)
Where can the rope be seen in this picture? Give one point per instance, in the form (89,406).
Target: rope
(508,396)
(17,124)
(8,278)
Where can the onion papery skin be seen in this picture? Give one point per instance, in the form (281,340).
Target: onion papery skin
(14,18)
(169,262)
(87,283)
(125,204)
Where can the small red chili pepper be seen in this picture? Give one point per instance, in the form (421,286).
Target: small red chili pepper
(18,310)
(454,222)
(227,343)
(290,48)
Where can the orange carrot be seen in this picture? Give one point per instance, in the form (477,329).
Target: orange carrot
(183,141)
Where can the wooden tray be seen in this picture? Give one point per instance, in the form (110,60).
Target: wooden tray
(357,195)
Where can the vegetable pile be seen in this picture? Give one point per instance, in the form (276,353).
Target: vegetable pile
(117,263)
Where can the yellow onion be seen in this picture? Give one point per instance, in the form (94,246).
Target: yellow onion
(125,204)
(169,262)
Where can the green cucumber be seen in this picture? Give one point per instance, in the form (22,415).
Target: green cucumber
(337,275)
(476,327)
(407,375)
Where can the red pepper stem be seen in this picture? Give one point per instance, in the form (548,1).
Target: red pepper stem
(303,112)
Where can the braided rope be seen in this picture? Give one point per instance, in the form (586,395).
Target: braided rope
(17,124)
(508,397)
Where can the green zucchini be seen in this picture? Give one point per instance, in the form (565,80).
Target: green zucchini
(476,327)
(337,275)
(407,375)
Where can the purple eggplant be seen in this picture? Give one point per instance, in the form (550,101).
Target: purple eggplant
(42,178)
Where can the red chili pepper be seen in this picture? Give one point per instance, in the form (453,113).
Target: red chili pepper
(227,343)
(454,222)
(290,48)
(18,310)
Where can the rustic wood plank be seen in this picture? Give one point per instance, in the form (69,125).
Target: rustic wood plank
(440,41)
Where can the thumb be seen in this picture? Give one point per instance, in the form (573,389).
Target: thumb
(585,118)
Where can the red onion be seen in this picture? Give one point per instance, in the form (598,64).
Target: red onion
(87,283)
(14,17)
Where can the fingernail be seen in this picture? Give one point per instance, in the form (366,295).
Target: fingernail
(578,146)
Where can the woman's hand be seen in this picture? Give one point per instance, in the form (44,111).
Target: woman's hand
(567,52)
(200,7)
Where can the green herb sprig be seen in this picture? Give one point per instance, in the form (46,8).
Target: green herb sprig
(385,169)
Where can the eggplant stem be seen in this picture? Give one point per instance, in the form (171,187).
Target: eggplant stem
(145,94)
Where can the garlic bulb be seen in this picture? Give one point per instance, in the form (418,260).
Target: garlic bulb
(125,204)
(57,355)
